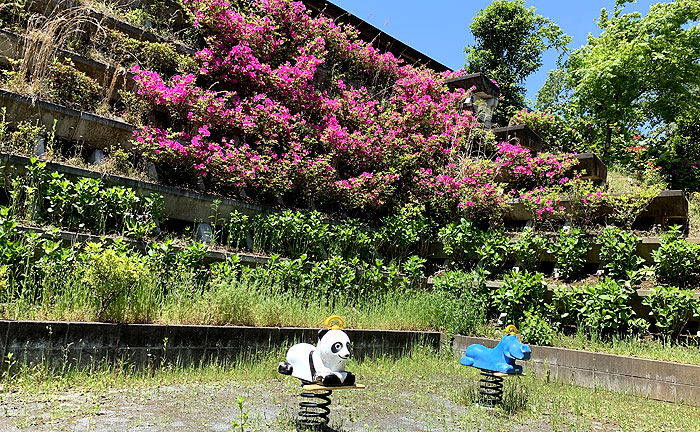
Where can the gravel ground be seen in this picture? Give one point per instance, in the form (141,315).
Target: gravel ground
(212,407)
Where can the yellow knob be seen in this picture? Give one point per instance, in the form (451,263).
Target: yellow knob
(332,318)
(511,330)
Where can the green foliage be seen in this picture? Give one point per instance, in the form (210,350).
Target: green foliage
(677,260)
(556,134)
(460,239)
(155,56)
(536,330)
(87,204)
(458,303)
(68,86)
(570,249)
(610,83)
(680,152)
(493,251)
(626,207)
(520,292)
(672,308)
(403,232)
(603,308)
(509,42)
(22,139)
(618,253)
(529,248)
(111,276)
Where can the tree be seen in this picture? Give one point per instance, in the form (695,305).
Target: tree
(510,40)
(639,74)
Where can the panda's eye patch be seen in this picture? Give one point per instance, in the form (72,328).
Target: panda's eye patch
(348,346)
(337,347)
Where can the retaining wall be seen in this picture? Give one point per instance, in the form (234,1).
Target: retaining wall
(661,380)
(78,343)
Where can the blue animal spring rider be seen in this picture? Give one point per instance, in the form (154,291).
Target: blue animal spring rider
(496,363)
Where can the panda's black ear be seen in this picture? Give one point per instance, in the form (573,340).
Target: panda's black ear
(322,333)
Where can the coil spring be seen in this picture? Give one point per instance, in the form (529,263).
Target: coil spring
(490,388)
(313,413)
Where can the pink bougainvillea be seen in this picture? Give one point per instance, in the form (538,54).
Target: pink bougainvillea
(294,106)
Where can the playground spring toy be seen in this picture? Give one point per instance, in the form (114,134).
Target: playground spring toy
(496,363)
(321,369)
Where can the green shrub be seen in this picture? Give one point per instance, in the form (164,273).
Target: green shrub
(536,330)
(156,56)
(520,292)
(493,251)
(68,86)
(403,233)
(112,278)
(626,207)
(528,249)
(570,249)
(351,240)
(672,308)
(677,260)
(618,253)
(603,308)
(87,204)
(460,240)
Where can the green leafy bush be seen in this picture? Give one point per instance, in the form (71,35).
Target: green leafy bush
(156,56)
(672,308)
(528,249)
(405,232)
(460,239)
(626,207)
(536,330)
(87,204)
(493,251)
(618,253)
(603,308)
(111,276)
(570,249)
(520,292)
(68,86)
(677,260)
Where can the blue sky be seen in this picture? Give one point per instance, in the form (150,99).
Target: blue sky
(440,28)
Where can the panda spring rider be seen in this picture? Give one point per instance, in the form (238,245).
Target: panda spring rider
(322,364)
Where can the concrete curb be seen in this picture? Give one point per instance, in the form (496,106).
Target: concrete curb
(661,380)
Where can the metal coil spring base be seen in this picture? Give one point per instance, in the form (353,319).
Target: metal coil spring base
(490,388)
(314,411)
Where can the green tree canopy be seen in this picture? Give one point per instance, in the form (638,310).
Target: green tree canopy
(640,73)
(509,41)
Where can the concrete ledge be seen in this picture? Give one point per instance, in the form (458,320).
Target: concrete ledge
(667,208)
(661,380)
(520,133)
(485,88)
(80,343)
(71,125)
